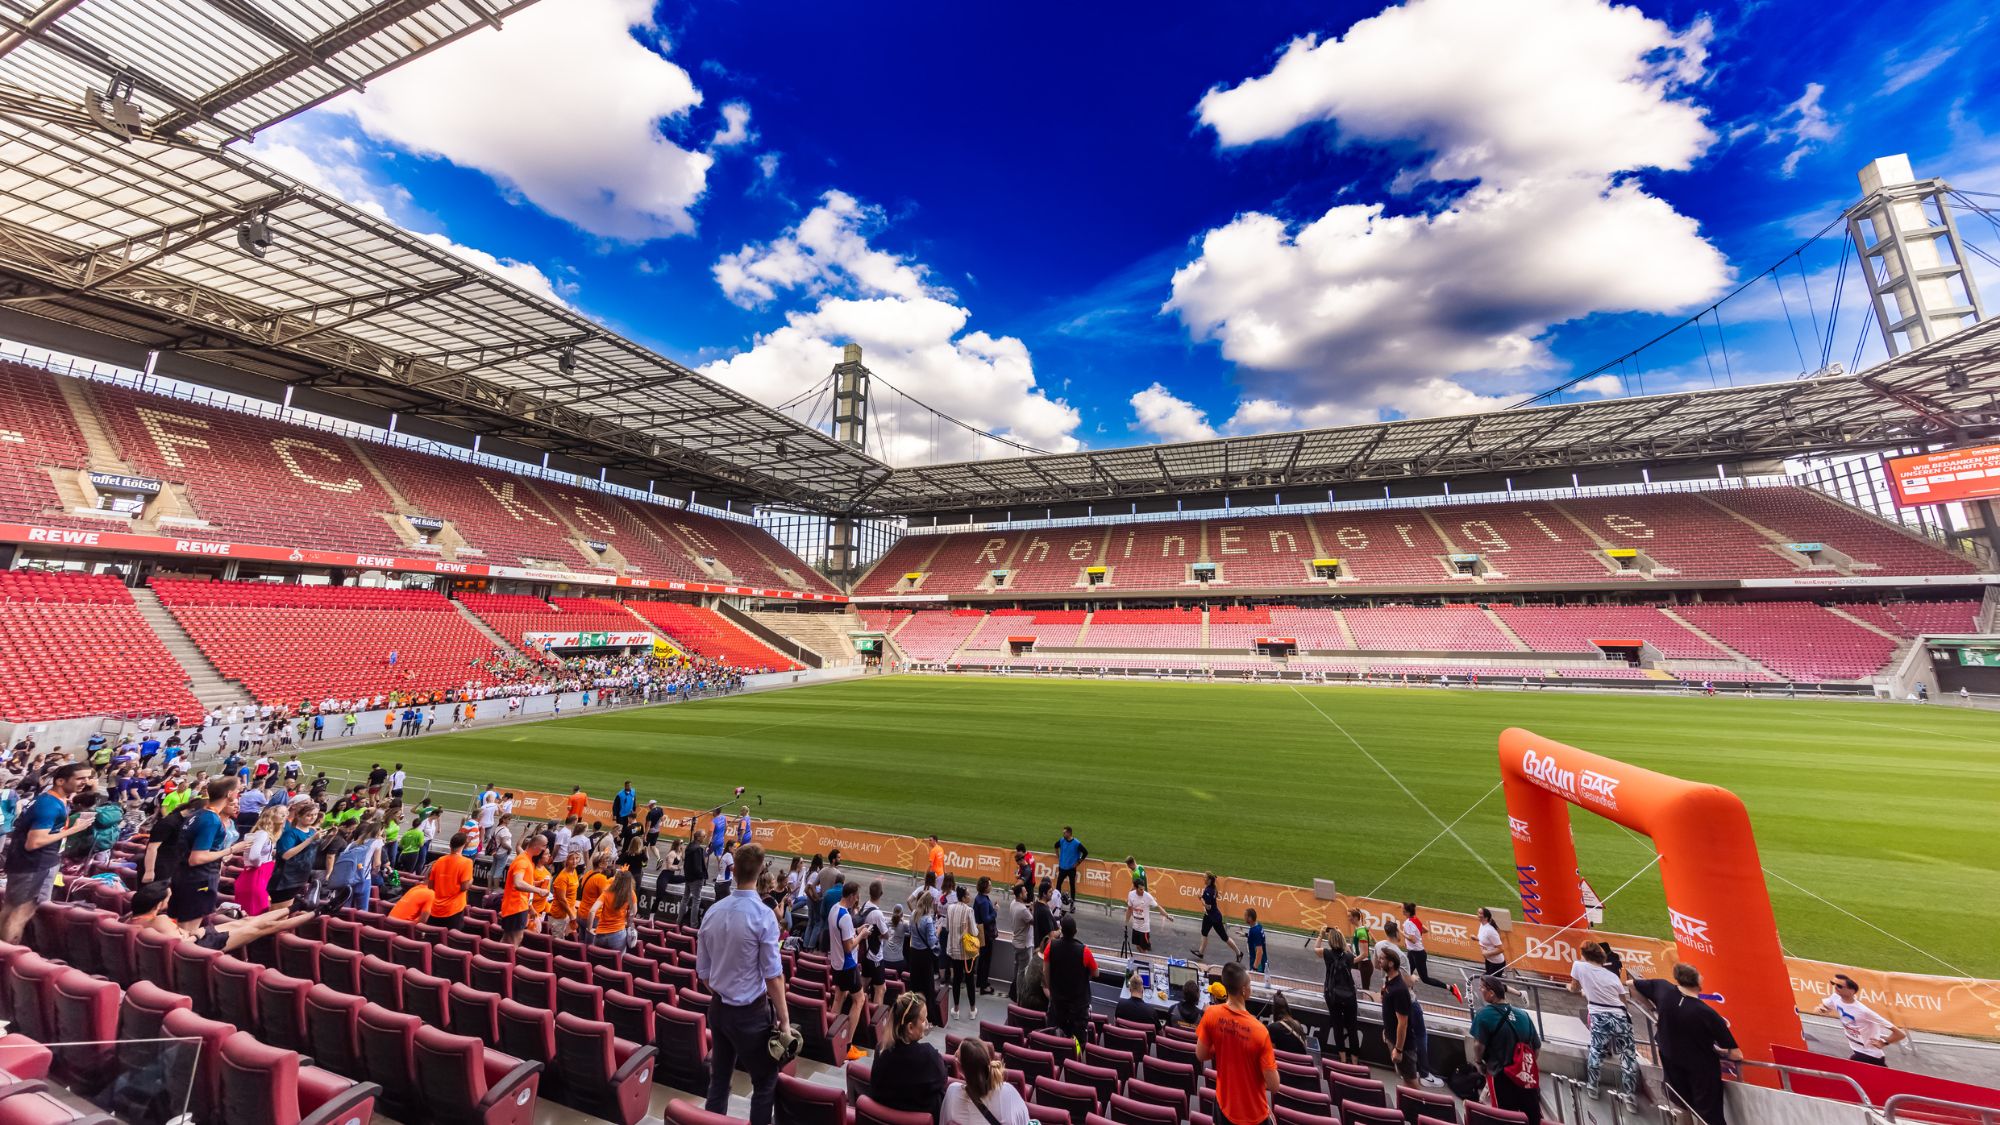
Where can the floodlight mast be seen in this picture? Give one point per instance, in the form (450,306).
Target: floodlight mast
(1909,245)
(850,428)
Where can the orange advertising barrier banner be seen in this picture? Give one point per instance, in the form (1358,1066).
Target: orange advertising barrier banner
(1946,1005)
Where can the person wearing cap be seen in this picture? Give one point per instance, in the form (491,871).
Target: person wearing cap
(1867,1031)
(654,815)
(737,962)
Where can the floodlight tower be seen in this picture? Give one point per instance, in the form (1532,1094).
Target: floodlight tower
(1910,248)
(850,428)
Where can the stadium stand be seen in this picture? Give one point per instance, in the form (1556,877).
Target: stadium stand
(249,478)
(827,634)
(499,515)
(1238,626)
(708,633)
(1684,532)
(37,431)
(1800,515)
(1269,551)
(932,635)
(1798,640)
(512,615)
(1442,628)
(618,522)
(1145,628)
(1155,556)
(74,644)
(1524,542)
(1916,619)
(749,554)
(288,643)
(1051,628)
(1311,628)
(1547,628)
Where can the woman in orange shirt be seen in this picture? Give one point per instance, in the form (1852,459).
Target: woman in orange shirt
(612,911)
(592,887)
(562,891)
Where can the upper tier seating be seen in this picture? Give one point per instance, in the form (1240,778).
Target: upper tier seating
(36,430)
(750,553)
(512,615)
(710,634)
(287,643)
(885,620)
(251,478)
(621,522)
(74,645)
(1442,628)
(1916,619)
(1547,628)
(1683,531)
(499,514)
(1144,628)
(934,634)
(1804,516)
(1520,543)
(1800,640)
(1524,541)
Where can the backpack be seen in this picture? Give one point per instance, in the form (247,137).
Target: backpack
(1503,1053)
(104,833)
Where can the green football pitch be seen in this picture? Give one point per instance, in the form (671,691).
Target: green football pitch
(1877,822)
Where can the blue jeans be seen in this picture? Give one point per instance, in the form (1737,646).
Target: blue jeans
(615,941)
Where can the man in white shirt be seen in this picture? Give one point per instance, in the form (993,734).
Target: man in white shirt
(843,956)
(1139,907)
(1867,1031)
(1610,1024)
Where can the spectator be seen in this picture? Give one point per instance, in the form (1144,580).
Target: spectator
(1021,921)
(843,957)
(909,1074)
(1505,1046)
(415,905)
(624,803)
(1343,1010)
(450,879)
(35,847)
(962,944)
(612,912)
(1867,1032)
(1132,1006)
(1287,1033)
(260,861)
(984,1097)
(298,852)
(562,895)
(579,802)
(736,960)
(1071,968)
(1246,1067)
(988,920)
(1693,1038)
(1398,1030)
(1610,1024)
(195,884)
(1254,943)
(520,891)
(934,860)
(1364,955)
(694,873)
(1186,1011)
(921,944)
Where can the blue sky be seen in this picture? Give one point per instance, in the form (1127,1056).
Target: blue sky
(1105,224)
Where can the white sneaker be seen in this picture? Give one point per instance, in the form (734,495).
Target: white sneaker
(1432,1081)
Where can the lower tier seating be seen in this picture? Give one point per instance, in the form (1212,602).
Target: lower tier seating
(287,643)
(74,645)
(1798,640)
(710,634)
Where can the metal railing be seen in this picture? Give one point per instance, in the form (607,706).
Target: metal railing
(1787,1072)
(1920,1107)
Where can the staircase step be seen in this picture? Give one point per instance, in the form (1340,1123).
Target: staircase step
(205,681)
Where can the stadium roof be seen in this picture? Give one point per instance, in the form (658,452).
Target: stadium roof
(139,242)
(1946,391)
(213,70)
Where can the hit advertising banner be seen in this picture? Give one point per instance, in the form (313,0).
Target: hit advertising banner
(1948,1005)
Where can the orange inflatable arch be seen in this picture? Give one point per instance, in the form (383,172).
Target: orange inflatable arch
(1717,902)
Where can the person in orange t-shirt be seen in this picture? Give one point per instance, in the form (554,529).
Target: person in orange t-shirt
(562,895)
(578,802)
(593,885)
(415,905)
(520,891)
(936,865)
(545,897)
(611,911)
(1246,1068)
(450,878)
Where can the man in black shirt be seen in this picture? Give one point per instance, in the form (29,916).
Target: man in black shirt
(1132,1007)
(1070,969)
(166,848)
(1398,1028)
(1342,1006)
(1693,1039)
(1045,918)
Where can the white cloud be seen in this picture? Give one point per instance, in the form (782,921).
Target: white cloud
(564,106)
(767,165)
(1805,124)
(914,338)
(735,126)
(1900,72)
(332,164)
(828,251)
(1364,312)
(1158,412)
(1579,86)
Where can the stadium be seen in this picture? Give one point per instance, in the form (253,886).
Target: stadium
(294,495)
